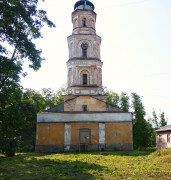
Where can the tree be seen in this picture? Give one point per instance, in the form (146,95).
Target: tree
(35,98)
(112,98)
(163,121)
(59,93)
(155,120)
(20,23)
(52,99)
(35,102)
(9,71)
(12,120)
(124,101)
(141,134)
(152,133)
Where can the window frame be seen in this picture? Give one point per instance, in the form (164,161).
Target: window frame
(160,138)
(84,22)
(84,108)
(84,47)
(84,79)
(168,137)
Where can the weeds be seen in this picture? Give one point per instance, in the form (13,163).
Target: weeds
(91,165)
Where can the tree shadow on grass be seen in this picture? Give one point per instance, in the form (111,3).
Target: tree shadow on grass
(121,153)
(104,153)
(33,168)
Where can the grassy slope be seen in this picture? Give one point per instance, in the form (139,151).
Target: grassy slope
(109,165)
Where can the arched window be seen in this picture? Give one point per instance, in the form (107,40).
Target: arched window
(84,77)
(84,22)
(84,47)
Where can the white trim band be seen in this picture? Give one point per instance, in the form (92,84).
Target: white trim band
(84,117)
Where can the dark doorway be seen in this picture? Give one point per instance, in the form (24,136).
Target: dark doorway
(84,139)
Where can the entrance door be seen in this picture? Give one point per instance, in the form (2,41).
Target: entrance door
(84,139)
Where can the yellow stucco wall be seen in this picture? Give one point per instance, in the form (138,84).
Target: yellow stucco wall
(118,133)
(50,134)
(75,132)
(53,133)
(92,104)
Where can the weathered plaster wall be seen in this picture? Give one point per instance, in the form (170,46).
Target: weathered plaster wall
(118,133)
(102,134)
(77,18)
(81,90)
(74,45)
(76,69)
(163,139)
(50,134)
(92,104)
(56,137)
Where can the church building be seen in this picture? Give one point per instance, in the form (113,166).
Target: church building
(84,122)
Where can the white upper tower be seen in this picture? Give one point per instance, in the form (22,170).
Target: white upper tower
(84,64)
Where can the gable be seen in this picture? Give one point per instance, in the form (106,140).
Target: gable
(93,103)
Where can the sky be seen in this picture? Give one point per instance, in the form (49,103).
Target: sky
(135,49)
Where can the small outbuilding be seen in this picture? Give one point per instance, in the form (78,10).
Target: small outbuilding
(163,137)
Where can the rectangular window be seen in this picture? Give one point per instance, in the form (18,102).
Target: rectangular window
(160,138)
(84,53)
(168,137)
(84,79)
(84,108)
(84,23)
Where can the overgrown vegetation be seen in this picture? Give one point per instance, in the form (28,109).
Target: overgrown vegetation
(18,119)
(92,165)
(20,24)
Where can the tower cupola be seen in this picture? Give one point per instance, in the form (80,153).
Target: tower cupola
(84,5)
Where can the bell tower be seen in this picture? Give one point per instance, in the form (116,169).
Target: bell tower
(84,65)
(84,121)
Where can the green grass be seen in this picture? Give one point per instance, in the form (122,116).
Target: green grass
(93,165)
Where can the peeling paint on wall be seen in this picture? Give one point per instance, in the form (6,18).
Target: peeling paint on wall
(102,133)
(67,136)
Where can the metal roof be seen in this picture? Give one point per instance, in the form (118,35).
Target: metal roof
(164,128)
(84,4)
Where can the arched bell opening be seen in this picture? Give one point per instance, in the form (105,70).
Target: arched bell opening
(85,77)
